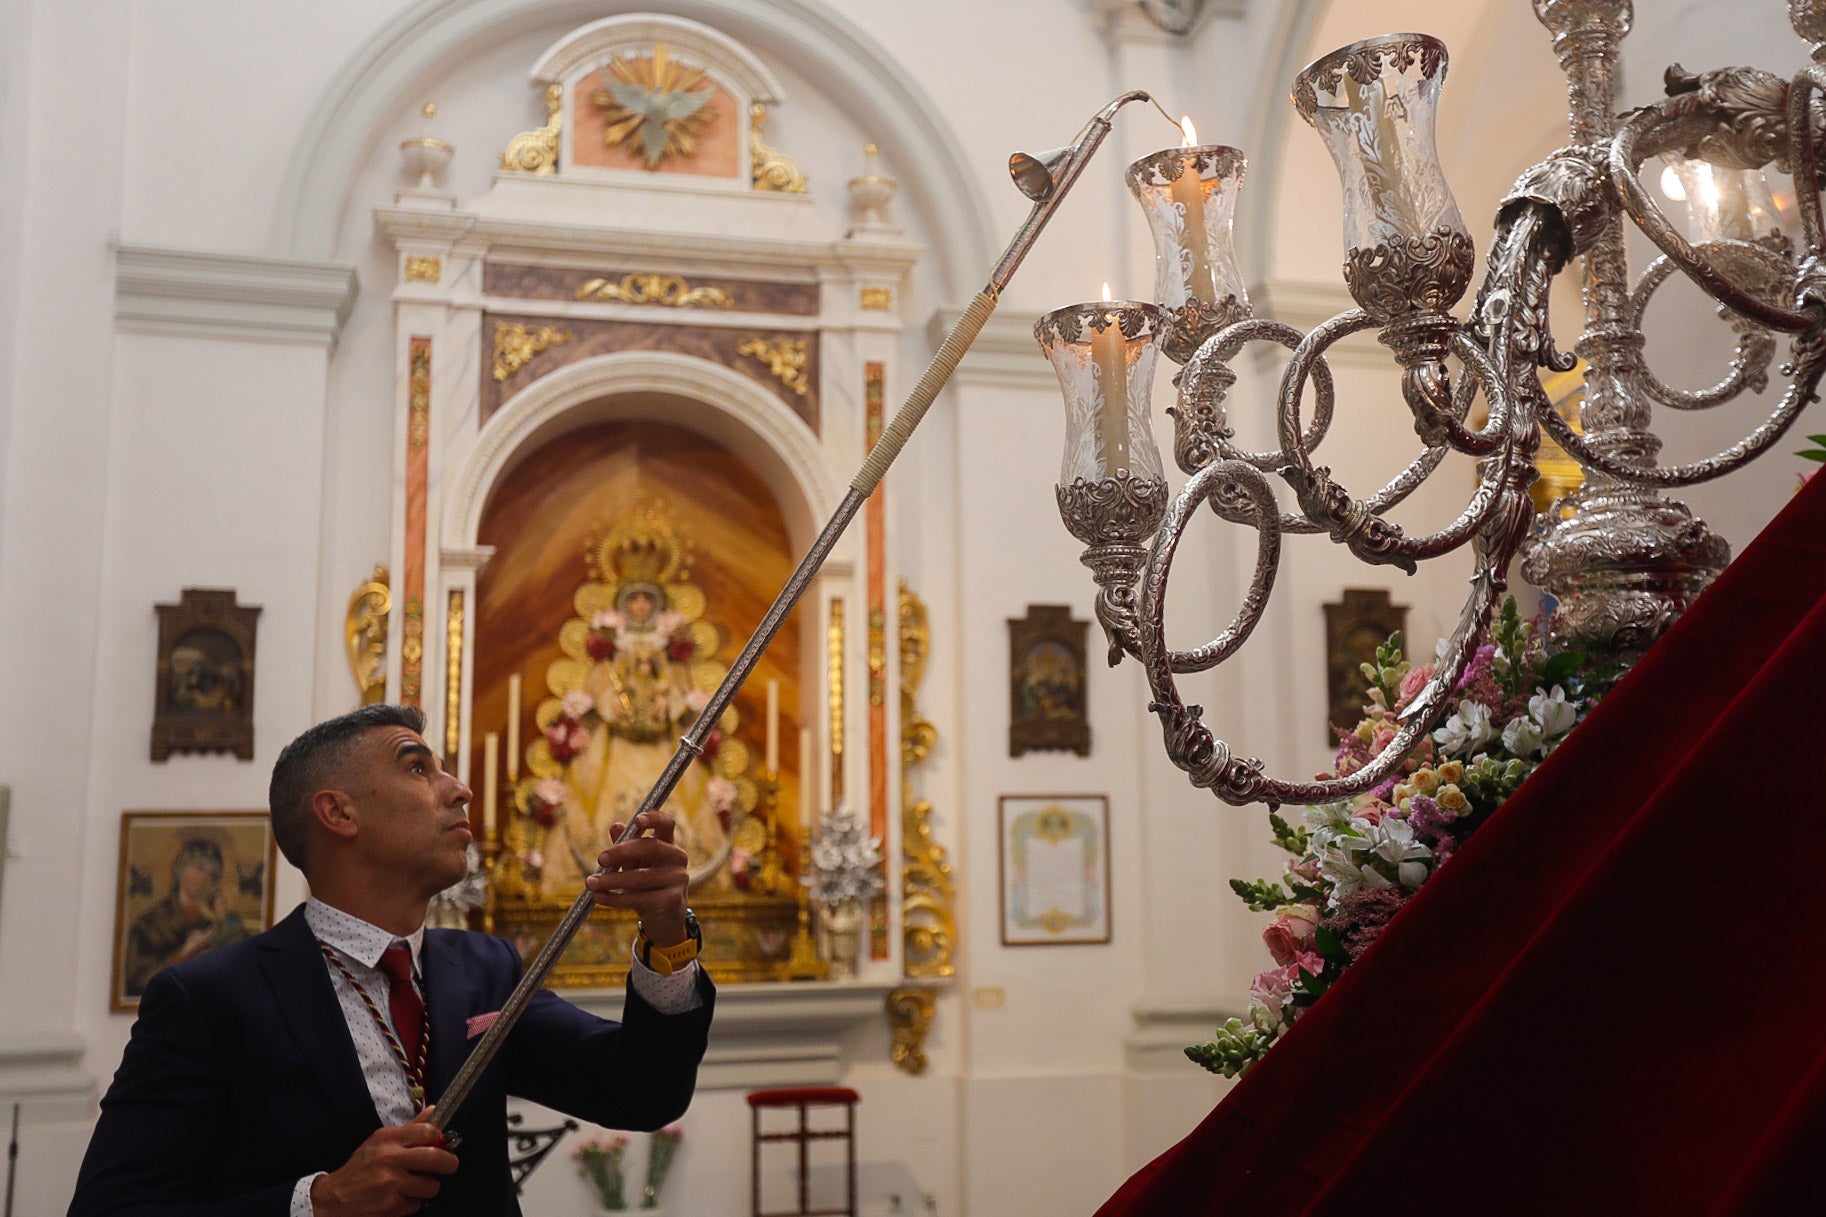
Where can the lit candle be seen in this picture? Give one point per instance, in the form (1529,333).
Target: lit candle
(1108,353)
(1188,192)
(773,726)
(491,760)
(513,727)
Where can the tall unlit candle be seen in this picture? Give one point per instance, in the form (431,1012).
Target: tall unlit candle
(513,727)
(491,761)
(808,777)
(773,726)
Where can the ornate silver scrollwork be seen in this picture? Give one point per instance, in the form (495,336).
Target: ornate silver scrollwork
(1408,274)
(1112,516)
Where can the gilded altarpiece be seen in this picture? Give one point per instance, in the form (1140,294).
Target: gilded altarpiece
(639,364)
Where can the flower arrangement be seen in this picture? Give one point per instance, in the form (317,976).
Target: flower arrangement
(1356,863)
(599,1162)
(843,866)
(661,1147)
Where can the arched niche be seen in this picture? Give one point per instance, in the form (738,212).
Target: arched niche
(661,386)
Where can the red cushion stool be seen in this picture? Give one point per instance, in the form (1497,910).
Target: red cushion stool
(805,1098)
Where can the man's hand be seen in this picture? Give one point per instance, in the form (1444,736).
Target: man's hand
(648,876)
(390,1174)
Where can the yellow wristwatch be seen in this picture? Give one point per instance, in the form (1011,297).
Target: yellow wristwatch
(667,960)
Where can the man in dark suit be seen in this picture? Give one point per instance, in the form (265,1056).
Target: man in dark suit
(285,1075)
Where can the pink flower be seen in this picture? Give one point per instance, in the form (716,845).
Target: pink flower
(1412,684)
(1272,988)
(1384,736)
(1291,932)
(1306,871)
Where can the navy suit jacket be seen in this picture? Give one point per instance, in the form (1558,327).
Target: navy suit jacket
(241,1078)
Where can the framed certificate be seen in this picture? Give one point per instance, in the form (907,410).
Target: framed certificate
(1055,868)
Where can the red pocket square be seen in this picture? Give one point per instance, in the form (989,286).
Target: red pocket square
(481,1023)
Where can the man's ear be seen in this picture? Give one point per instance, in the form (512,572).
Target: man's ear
(335,812)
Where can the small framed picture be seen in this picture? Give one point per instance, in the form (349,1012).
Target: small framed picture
(1047,679)
(190,881)
(203,698)
(1055,868)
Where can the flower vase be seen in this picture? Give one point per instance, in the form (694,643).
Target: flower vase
(842,924)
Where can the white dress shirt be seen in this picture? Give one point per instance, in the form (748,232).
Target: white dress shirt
(359,945)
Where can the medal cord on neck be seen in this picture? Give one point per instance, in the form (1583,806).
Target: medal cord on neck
(414,1066)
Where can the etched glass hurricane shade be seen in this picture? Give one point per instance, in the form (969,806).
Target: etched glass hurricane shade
(1375,104)
(1104,356)
(1722,204)
(1189,196)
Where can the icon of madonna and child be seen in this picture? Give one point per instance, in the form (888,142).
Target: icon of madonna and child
(638,669)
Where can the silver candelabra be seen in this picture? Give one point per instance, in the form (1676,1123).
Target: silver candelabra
(1626,561)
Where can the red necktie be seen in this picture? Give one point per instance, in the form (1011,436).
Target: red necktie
(406,1006)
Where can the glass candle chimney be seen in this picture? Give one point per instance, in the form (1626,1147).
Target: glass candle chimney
(1189,195)
(1722,204)
(1375,103)
(1104,356)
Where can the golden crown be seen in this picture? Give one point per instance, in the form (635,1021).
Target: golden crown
(643,546)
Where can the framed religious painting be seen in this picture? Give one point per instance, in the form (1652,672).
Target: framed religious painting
(1047,678)
(203,699)
(1360,622)
(189,882)
(1055,868)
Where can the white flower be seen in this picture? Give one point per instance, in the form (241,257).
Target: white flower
(578,703)
(1468,728)
(1553,712)
(1522,737)
(607,619)
(697,699)
(1393,842)
(550,790)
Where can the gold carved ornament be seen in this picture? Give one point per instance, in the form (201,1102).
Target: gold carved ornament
(515,344)
(536,151)
(879,299)
(772,169)
(785,358)
(412,652)
(910,1015)
(364,635)
(669,290)
(655,105)
(428,267)
(418,395)
(929,896)
(453,674)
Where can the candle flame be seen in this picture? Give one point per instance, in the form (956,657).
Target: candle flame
(1106,294)
(1185,125)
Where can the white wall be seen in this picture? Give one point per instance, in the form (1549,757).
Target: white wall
(135,464)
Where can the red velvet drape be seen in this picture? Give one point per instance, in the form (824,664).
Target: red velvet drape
(1613,999)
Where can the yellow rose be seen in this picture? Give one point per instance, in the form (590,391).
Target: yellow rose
(1425,781)
(1402,794)
(1452,799)
(1452,772)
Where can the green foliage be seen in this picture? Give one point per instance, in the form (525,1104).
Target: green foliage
(1816,453)
(1234,1048)
(1385,674)
(1295,841)
(1262,895)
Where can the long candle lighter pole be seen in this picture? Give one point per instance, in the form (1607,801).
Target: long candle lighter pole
(1059,172)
